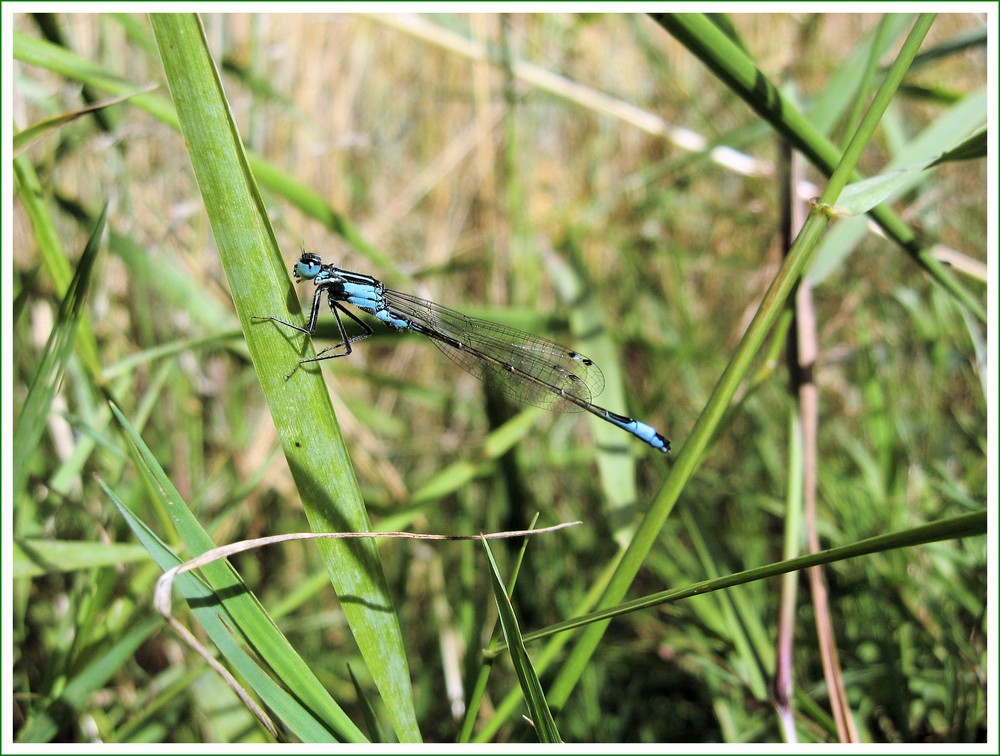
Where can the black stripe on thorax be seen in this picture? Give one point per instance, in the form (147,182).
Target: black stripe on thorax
(348,276)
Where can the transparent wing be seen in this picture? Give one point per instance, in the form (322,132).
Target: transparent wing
(488,347)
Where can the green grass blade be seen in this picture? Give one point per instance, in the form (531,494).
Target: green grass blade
(615,461)
(847,82)
(175,285)
(963,526)
(39,52)
(212,612)
(937,145)
(34,557)
(301,408)
(972,148)
(531,688)
(31,134)
(243,610)
(847,233)
(367,710)
(31,423)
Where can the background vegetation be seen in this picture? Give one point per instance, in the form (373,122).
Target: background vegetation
(561,174)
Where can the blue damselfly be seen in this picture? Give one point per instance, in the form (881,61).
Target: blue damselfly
(524,367)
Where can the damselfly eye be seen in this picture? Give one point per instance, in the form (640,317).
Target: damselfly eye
(306,269)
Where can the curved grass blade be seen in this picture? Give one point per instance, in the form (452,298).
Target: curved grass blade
(531,688)
(208,607)
(317,716)
(31,423)
(862,196)
(31,134)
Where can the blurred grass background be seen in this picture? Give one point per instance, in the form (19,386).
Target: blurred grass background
(552,190)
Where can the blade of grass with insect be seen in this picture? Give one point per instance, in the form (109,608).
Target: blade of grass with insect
(672,214)
(301,409)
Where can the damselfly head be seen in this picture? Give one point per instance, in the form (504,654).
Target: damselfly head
(308,267)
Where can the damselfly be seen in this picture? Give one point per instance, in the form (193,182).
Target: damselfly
(524,367)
